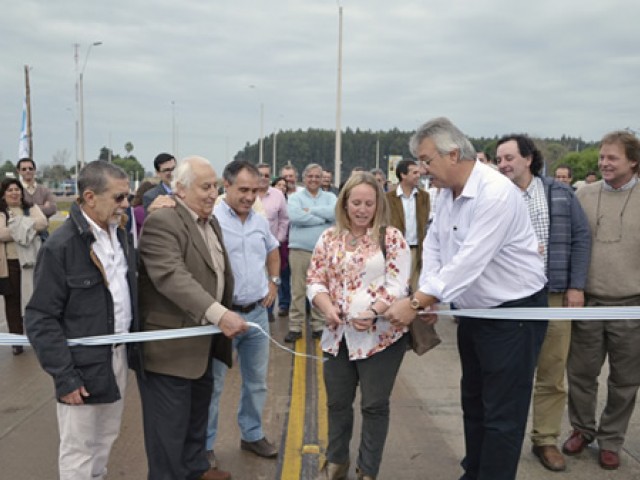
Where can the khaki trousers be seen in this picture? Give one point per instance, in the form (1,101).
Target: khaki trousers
(87,432)
(299,263)
(549,392)
(592,342)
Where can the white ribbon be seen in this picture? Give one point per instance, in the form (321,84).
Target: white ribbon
(136,337)
(512,314)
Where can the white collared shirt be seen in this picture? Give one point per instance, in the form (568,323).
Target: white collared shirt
(410,219)
(481,250)
(111,256)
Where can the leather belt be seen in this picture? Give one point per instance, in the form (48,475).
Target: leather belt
(246,308)
(413,246)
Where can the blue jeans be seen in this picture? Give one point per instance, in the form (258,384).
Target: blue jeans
(284,290)
(253,357)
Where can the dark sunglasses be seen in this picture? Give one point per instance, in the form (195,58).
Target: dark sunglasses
(27,169)
(120,197)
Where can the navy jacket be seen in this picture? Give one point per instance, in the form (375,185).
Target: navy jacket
(569,250)
(71,300)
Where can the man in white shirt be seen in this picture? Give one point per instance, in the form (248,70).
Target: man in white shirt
(481,252)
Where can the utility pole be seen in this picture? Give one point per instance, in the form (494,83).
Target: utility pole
(28,101)
(338,159)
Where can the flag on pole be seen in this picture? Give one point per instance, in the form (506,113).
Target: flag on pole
(23,147)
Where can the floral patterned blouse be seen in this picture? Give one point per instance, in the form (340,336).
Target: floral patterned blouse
(354,281)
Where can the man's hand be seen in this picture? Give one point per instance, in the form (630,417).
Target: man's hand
(76,397)
(271,295)
(232,324)
(400,313)
(574,298)
(161,201)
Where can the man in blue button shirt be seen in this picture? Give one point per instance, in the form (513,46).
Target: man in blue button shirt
(251,248)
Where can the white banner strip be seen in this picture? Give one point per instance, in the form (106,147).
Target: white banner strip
(151,336)
(517,314)
(513,314)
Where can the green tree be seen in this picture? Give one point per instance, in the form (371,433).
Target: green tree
(8,169)
(580,162)
(128,148)
(131,166)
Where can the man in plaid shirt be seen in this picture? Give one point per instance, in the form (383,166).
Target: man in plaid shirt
(564,239)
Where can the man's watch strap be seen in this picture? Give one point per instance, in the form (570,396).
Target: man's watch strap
(275,280)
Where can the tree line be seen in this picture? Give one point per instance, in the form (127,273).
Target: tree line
(361,148)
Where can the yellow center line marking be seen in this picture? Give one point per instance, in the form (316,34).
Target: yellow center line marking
(292,461)
(323,425)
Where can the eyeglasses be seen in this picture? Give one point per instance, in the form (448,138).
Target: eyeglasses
(120,197)
(27,169)
(167,170)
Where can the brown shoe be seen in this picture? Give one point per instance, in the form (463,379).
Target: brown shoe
(215,474)
(575,444)
(262,448)
(550,457)
(334,471)
(609,460)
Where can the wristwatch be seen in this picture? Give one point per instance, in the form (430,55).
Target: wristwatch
(414,303)
(275,280)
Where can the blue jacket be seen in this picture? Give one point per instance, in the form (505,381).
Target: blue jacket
(569,249)
(306,226)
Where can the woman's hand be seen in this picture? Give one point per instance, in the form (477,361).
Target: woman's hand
(364,320)
(332,316)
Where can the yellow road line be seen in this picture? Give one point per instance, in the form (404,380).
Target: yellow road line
(323,429)
(292,461)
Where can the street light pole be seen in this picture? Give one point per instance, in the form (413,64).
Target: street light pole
(338,155)
(260,149)
(80,93)
(261,131)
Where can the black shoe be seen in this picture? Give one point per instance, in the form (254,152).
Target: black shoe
(271,317)
(291,337)
(283,312)
(18,349)
(317,334)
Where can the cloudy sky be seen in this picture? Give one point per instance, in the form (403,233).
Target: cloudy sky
(546,67)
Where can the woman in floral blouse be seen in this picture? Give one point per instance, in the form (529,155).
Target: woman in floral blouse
(352,283)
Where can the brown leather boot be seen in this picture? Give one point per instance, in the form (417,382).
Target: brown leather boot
(333,471)
(362,476)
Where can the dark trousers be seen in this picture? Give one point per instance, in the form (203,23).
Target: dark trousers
(376,376)
(498,360)
(175,413)
(284,290)
(13,300)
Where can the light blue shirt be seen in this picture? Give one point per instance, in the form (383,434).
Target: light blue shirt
(307,226)
(247,245)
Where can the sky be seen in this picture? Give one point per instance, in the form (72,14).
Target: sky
(546,68)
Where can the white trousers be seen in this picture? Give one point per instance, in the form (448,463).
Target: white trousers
(87,432)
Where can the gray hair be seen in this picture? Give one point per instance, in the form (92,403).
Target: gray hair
(446,136)
(376,171)
(308,168)
(183,174)
(95,176)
